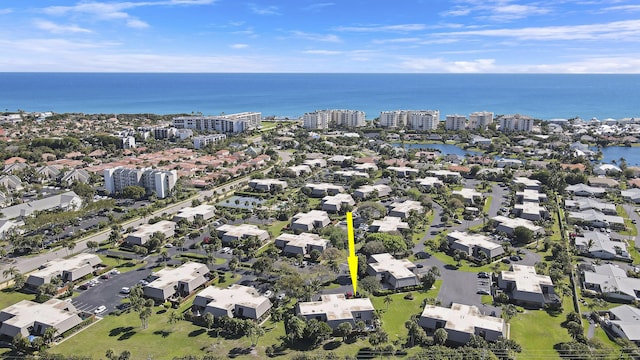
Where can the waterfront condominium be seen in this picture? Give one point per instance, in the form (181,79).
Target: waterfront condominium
(230,123)
(517,122)
(160,182)
(393,119)
(455,122)
(480,120)
(412,119)
(425,120)
(324,119)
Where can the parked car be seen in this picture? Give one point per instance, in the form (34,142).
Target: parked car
(100,309)
(514,258)
(484,292)
(125,290)
(268,293)
(483,275)
(115,272)
(105,276)
(143,282)
(84,286)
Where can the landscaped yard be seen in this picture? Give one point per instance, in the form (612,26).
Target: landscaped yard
(469,266)
(401,309)
(9,297)
(121,265)
(537,331)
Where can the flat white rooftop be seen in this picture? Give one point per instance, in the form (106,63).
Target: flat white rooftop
(185,273)
(526,278)
(162,226)
(335,306)
(59,265)
(234,295)
(398,268)
(463,318)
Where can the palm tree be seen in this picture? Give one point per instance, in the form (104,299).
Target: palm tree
(388,300)
(10,272)
(49,334)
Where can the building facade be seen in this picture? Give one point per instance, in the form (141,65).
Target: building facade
(160,182)
(231,123)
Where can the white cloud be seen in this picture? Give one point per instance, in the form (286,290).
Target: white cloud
(239,46)
(397,41)
(5,11)
(438,65)
(623,8)
(383,28)
(496,10)
(116,10)
(59,29)
(628,30)
(264,10)
(316,37)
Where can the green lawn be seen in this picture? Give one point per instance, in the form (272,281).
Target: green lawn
(9,297)
(400,310)
(631,229)
(537,331)
(487,204)
(469,266)
(229,279)
(122,265)
(275,229)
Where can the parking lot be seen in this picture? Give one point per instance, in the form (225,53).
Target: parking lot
(107,291)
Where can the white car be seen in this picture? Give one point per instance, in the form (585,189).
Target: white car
(100,309)
(268,293)
(168,245)
(125,290)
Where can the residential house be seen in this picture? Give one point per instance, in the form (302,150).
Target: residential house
(267,185)
(470,196)
(403,171)
(603,182)
(583,204)
(70,269)
(297,170)
(596,219)
(144,232)
(509,163)
(75,176)
(313,219)
(527,288)
(606,169)
(11,183)
(301,244)
(462,322)
(180,281)
(429,183)
(65,201)
(230,233)
(624,322)
(530,196)
(189,214)
(474,245)
(530,211)
(392,272)
(336,202)
(403,209)
(611,282)
(388,224)
(508,225)
(335,309)
(367,191)
(585,190)
(631,195)
(601,246)
(527,183)
(324,189)
(31,318)
(235,301)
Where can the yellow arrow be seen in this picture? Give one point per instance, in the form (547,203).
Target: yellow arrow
(352,259)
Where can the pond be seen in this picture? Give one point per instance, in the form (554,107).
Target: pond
(614,153)
(240,202)
(444,149)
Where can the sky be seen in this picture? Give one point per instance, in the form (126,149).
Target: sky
(323,36)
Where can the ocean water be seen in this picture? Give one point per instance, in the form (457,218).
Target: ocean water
(541,96)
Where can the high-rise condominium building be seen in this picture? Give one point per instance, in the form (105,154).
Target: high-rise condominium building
(393,119)
(425,120)
(323,119)
(231,123)
(317,120)
(455,122)
(160,182)
(516,122)
(480,119)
